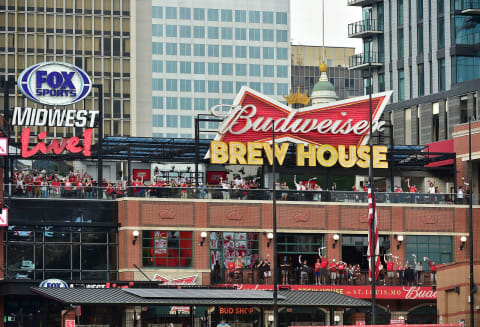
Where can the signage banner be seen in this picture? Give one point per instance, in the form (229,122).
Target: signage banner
(330,133)
(360,291)
(189,280)
(54,283)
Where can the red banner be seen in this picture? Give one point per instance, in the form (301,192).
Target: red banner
(360,291)
(213,177)
(141,173)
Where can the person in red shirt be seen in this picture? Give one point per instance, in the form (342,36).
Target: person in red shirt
(56,188)
(37,192)
(323,267)
(29,185)
(390,268)
(333,271)
(317,272)
(231,269)
(433,271)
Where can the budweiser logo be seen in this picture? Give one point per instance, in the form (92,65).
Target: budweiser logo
(417,293)
(250,119)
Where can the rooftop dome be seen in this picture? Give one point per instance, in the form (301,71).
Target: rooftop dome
(323,91)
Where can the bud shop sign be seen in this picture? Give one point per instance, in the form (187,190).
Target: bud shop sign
(326,134)
(54,84)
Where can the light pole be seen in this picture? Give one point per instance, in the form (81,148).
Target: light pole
(274,216)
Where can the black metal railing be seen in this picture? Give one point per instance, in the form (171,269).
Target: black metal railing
(363,26)
(363,58)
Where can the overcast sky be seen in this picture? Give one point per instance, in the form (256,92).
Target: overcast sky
(306,22)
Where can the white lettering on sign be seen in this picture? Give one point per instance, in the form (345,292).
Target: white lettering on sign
(246,117)
(3,146)
(416,293)
(54,117)
(4,218)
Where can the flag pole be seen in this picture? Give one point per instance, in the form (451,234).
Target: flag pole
(373,272)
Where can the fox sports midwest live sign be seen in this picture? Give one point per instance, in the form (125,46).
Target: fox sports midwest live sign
(54,83)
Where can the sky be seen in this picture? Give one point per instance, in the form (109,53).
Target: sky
(306,23)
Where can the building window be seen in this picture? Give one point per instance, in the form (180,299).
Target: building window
(227,33)
(441,75)
(421,80)
(401,85)
(199,14)
(157,66)
(227,87)
(185,122)
(268,53)
(157,121)
(199,68)
(172,103)
(240,51)
(294,245)
(241,69)
(185,85)
(185,67)
(282,71)
(199,104)
(282,36)
(213,50)
(227,246)
(441,33)
(400,45)
(171,13)
(157,30)
(171,84)
(254,52)
(157,12)
(157,102)
(268,71)
(465,68)
(256,86)
(199,86)
(199,32)
(157,48)
(185,49)
(185,13)
(213,33)
(282,89)
(381,82)
(282,53)
(419,38)
(185,31)
(172,122)
(213,68)
(213,102)
(240,16)
(185,103)
(167,249)
(355,246)
(268,35)
(171,30)
(212,15)
(171,67)
(171,49)
(254,34)
(240,34)
(254,70)
(199,50)
(436,122)
(227,69)
(463,109)
(226,15)
(213,86)
(269,88)
(281,18)
(157,84)
(227,51)
(438,249)
(267,17)
(254,17)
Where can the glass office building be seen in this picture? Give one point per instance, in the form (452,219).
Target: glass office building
(192,55)
(425,51)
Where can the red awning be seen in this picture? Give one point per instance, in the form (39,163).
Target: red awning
(446,146)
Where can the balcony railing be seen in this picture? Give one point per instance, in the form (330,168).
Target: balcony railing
(364,28)
(468,39)
(364,60)
(362,2)
(217,193)
(468,6)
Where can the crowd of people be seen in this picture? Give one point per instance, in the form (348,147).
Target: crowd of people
(329,272)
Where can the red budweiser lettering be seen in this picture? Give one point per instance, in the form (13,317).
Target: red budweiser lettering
(344,122)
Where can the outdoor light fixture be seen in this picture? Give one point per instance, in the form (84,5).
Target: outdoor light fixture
(400,240)
(203,235)
(270,238)
(270,318)
(336,237)
(135,234)
(336,319)
(463,239)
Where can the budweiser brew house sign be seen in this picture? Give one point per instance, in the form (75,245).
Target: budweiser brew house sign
(323,135)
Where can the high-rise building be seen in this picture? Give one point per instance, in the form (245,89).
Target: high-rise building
(191,55)
(93,35)
(306,60)
(425,51)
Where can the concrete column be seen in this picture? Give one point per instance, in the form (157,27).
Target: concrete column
(426,118)
(414,120)
(470,105)
(399,126)
(453,114)
(339,314)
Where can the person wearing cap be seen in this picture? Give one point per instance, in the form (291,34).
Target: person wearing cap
(433,271)
(333,271)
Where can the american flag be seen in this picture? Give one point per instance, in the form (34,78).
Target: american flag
(372,217)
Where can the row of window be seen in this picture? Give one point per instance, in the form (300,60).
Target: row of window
(213,68)
(224,15)
(215,33)
(214,51)
(201,103)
